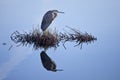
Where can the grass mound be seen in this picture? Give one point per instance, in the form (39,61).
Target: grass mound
(50,38)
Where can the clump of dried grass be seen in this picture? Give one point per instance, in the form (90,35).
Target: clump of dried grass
(36,38)
(77,37)
(50,38)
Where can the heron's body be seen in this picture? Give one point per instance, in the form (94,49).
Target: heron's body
(48,18)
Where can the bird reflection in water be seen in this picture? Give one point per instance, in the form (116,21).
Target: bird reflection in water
(48,63)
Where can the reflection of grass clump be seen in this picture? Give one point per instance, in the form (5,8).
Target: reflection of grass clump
(50,39)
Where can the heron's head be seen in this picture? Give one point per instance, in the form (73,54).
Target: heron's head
(56,11)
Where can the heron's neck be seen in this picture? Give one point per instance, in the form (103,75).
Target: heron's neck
(54,15)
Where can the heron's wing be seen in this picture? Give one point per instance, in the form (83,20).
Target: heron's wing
(47,20)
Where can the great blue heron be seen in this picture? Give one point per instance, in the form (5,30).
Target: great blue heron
(48,63)
(48,18)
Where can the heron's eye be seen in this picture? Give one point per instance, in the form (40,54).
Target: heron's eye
(55,14)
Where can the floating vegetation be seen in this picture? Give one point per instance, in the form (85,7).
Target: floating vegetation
(4,43)
(77,37)
(50,38)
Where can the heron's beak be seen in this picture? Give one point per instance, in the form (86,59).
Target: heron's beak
(60,12)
